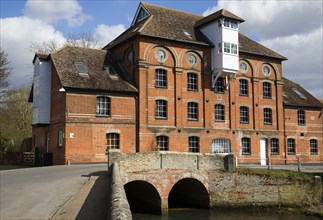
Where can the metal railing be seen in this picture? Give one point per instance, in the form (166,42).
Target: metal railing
(28,157)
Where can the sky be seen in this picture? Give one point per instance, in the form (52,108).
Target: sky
(293,28)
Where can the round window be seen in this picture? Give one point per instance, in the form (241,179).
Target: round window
(266,70)
(243,67)
(192,59)
(160,55)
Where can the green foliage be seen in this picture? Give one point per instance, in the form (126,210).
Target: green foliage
(277,173)
(16,116)
(4,144)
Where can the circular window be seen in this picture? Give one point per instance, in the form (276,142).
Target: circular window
(192,59)
(160,55)
(243,67)
(266,70)
(130,56)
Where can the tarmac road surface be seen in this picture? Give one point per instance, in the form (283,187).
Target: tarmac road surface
(38,193)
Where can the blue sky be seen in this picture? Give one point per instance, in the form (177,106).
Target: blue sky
(292,28)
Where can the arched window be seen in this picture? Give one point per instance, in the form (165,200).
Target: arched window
(192,82)
(313,143)
(243,87)
(193,144)
(103,106)
(219,85)
(161,78)
(274,146)
(161,109)
(221,145)
(301,117)
(266,90)
(245,146)
(244,115)
(291,146)
(219,112)
(113,141)
(162,143)
(268,116)
(192,111)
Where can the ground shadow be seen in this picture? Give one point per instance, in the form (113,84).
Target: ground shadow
(95,205)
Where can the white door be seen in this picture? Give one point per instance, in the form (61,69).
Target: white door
(263,152)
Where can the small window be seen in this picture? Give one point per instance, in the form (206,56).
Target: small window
(274,146)
(192,111)
(113,141)
(219,112)
(313,150)
(266,88)
(221,145)
(226,47)
(103,106)
(192,81)
(160,55)
(291,146)
(244,115)
(110,70)
(243,67)
(301,117)
(299,93)
(268,116)
(194,144)
(243,87)
(245,145)
(142,14)
(219,85)
(266,70)
(162,143)
(161,78)
(234,49)
(161,109)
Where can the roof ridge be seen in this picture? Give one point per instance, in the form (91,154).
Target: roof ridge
(171,9)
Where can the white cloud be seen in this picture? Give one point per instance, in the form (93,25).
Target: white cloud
(108,33)
(16,35)
(55,11)
(291,28)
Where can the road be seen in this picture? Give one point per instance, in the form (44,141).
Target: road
(38,193)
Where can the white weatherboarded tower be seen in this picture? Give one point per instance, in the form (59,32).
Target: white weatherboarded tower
(222,29)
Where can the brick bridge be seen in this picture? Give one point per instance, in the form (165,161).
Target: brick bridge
(155,181)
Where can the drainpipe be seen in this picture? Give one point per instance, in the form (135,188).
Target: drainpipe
(137,121)
(285,150)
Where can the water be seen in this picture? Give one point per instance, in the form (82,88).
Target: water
(226,214)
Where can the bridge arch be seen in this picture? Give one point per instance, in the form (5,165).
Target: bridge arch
(189,193)
(143,197)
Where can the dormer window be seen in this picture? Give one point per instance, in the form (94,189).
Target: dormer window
(299,93)
(228,48)
(142,15)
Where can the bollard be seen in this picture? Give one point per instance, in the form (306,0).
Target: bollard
(298,165)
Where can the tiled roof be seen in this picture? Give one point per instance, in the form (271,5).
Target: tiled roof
(247,45)
(216,15)
(96,78)
(295,95)
(176,25)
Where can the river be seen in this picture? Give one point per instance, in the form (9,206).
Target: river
(226,214)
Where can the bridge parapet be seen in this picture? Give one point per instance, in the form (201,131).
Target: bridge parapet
(132,162)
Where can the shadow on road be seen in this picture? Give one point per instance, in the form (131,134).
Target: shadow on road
(95,205)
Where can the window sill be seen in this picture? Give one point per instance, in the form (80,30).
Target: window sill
(274,154)
(222,121)
(291,153)
(246,154)
(192,90)
(301,124)
(314,154)
(192,119)
(161,87)
(245,123)
(267,97)
(103,116)
(268,123)
(243,95)
(161,118)
(218,92)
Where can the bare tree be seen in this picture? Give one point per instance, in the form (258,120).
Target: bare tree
(83,39)
(46,47)
(5,71)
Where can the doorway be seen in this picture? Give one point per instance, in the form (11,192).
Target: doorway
(263,148)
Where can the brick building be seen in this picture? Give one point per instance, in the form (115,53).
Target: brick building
(173,81)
